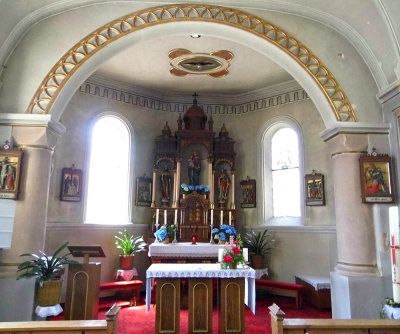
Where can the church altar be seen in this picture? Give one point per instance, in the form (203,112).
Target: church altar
(184,250)
(236,287)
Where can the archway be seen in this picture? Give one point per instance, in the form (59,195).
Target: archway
(298,60)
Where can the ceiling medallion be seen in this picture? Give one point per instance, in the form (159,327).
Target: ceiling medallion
(184,62)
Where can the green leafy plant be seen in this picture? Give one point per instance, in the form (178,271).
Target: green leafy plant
(258,243)
(171,231)
(44,267)
(129,244)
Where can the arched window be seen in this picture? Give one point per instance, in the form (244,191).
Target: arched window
(285,174)
(281,170)
(108,191)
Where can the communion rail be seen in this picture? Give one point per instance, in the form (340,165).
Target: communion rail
(280,325)
(108,326)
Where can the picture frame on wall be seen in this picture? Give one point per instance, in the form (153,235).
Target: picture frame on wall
(144,187)
(248,193)
(314,188)
(10,171)
(376,178)
(71,185)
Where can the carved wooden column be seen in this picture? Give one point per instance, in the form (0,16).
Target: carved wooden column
(153,199)
(178,180)
(210,182)
(233,190)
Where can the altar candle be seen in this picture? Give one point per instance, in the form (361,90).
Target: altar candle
(157,214)
(176,216)
(212,217)
(395,253)
(222,217)
(230,217)
(220,254)
(246,254)
(165,217)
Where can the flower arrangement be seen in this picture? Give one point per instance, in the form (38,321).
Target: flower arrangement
(233,254)
(223,232)
(385,313)
(165,232)
(188,189)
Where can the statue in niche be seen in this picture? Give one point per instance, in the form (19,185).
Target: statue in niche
(223,187)
(194,169)
(165,186)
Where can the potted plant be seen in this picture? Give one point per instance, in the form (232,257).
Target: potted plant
(165,234)
(259,244)
(223,233)
(129,246)
(48,271)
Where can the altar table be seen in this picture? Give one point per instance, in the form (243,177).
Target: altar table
(237,287)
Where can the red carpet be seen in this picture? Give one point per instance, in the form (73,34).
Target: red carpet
(137,320)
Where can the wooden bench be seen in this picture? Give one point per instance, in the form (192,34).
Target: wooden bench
(134,286)
(288,287)
(108,326)
(280,325)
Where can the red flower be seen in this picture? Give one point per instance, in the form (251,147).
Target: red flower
(228,258)
(236,250)
(236,242)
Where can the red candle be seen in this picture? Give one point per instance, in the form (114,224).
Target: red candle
(194,239)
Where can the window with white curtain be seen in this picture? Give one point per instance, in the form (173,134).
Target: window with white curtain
(285,173)
(108,191)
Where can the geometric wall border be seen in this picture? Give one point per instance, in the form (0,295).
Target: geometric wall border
(55,80)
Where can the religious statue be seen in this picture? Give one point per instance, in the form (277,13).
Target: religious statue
(223,187)
(194,169)
(165,186)
(7,174)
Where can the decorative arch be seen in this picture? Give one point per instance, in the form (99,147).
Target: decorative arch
(65,68)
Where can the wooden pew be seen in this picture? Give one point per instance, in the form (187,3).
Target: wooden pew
(280,325)
(108,326)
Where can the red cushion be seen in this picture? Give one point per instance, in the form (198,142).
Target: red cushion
(282,285)
(121,285)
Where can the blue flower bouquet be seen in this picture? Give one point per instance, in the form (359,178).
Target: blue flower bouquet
(223,232)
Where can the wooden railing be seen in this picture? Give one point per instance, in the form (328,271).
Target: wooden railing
(108,326)
(280,325)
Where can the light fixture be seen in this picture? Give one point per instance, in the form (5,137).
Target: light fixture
(195,35)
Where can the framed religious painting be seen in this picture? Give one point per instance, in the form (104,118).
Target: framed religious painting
(376,178)
(315,193)
(71,185)
(143,190)
(248,193)
(10,171)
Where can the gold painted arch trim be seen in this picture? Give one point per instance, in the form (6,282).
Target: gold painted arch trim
(59,75)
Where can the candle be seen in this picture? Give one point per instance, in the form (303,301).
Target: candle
(157,214)
(165,217)
(246,254)
(222,217)
(230,217)
(395,254)
(212,217)
(220,254)
(176,216)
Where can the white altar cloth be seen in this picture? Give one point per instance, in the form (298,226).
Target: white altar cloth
(318,282)
(202,270)
(184,249)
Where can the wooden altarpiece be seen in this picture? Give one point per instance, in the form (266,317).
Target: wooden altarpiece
(193,210)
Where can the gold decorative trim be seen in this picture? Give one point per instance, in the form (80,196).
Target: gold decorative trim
(348,152)
(63,70)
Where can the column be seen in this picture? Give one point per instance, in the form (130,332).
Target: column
(153,195)
(233,190)
(354,219)
(175,191)
(178,180)
(210,182)
(37,141)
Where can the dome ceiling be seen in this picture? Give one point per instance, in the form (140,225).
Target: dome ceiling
(147,65)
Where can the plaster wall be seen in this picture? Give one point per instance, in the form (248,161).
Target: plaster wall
(293,253)
(41,48)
